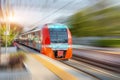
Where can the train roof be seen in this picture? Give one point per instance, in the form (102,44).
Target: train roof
(37,28)
(56,25)
(50,25)
(30,31)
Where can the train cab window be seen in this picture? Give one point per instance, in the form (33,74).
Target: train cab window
(58,35)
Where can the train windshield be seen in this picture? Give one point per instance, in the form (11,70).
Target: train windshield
(58,35)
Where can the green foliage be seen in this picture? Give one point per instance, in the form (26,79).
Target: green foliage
(108,43)
(103,22)
(10,37)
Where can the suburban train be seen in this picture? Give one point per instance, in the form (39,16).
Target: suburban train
(53,40)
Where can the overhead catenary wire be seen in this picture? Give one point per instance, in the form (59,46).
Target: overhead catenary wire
(40,13)
(53,13)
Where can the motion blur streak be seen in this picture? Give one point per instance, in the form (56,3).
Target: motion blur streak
(61,73)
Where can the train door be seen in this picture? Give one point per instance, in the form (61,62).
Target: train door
(26,39)
(31,40)
(37,40)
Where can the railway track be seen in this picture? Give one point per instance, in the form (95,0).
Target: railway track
(92,70)
(81,70)
(97,63)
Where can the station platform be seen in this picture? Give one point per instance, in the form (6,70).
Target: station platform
(42,67)
(38,71)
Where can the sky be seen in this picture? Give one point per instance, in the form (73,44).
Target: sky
(31,13)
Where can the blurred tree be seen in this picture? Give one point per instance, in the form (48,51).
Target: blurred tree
(14,31)
(98,20)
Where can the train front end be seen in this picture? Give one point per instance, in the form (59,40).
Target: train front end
(57,41)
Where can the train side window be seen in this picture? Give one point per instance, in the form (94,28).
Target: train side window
(36,37)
